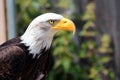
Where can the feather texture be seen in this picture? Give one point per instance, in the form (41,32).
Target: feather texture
(17,64)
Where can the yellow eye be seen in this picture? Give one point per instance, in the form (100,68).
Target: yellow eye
(51,21)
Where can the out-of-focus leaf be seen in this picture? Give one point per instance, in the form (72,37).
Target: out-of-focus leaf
(90,15)
(88,33)
(106,38)
(88,24)
(57,63)
(105,59)
(62,3)
(93,73)
(82,54)
(105,71)
(104,50)
(111,74)
(66,64)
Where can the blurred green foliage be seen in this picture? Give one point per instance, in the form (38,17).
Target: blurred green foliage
(87,62)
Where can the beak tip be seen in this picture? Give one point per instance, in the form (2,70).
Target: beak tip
(74,31)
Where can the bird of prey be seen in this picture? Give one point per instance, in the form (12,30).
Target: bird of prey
(27,57)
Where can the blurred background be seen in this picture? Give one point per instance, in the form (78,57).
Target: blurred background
(92,54)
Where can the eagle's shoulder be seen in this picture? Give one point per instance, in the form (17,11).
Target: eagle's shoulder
(10,47)
(10,51)
(11,42)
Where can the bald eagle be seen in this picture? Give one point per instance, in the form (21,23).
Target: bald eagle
(27,57)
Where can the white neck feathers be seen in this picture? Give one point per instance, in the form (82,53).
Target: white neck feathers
(37,40)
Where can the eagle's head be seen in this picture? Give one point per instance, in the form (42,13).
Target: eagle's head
(41,30)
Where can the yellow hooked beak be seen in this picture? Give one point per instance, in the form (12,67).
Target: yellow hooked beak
(65,24)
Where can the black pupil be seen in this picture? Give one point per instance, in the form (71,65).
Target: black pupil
(52,21)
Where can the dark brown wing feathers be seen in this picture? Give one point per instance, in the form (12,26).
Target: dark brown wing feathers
(17,64)
(9,57)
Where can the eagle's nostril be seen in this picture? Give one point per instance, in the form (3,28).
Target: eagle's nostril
(65,21)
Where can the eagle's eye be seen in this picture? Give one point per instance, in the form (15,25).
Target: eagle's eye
(52,22)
